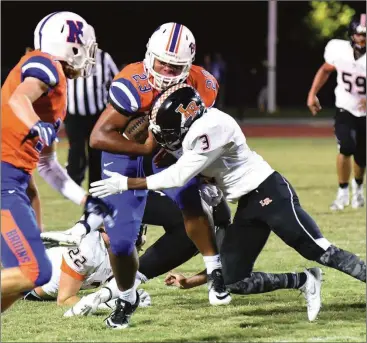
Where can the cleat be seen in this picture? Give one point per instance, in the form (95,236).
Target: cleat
(312,292)
(120,317)
(341,201)
(357,195)
(218,294)
(145,301)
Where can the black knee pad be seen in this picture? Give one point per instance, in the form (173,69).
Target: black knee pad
(309,250)
(222,214)
(347,145)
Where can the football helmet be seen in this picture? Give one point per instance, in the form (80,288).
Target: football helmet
(173,44)
(69,38)
(173,113)
(358,26)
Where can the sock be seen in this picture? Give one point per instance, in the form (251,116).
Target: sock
(343,185)
(296,280)
(128,295)
(212,263)
(359,181)
(345,262)
(260,282)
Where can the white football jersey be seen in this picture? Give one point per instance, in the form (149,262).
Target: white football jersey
(351,75)
(89,263)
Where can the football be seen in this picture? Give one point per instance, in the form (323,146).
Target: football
(137,129)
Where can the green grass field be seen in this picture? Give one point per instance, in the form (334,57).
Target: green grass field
(185,315)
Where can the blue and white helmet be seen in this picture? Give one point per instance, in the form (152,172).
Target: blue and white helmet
(68,37)
(174,44)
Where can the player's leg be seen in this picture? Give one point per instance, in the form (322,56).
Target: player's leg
(174,247)
(77,137)
(198,229)
(23,255)
(297,229)
(359,163)
(123,255)
(345,136)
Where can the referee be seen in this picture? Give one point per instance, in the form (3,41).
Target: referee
(87,98)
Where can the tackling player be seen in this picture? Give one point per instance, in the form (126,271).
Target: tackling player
(211,143)
(33,106)
(348,58)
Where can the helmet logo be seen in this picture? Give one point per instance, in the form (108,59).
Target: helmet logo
(75,31)
(192,47)
(190,111)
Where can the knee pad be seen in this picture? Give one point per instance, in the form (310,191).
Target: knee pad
(347,147)
(310,251)
(222,214)
(122,246)
(44,271)
(360,159)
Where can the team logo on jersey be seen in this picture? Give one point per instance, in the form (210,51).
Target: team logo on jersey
(265,202)
(75,31)
(191,110)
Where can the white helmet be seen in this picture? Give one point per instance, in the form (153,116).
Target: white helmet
(68,37)
(171,43)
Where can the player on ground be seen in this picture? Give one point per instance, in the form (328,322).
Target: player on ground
(168,60)
(211,143)
(74,269)
(33,106)
(348,58)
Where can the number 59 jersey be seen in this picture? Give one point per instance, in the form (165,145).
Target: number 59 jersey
(351,78)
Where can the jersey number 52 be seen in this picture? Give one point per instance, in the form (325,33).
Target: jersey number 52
(359,82)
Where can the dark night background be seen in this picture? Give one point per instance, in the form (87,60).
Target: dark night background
(237,30)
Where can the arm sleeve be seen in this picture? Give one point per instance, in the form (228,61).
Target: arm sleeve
(124,97)
(41,68)
(188,166)
(56,176)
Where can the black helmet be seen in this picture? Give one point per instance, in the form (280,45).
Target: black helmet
(357,26)
(172,114)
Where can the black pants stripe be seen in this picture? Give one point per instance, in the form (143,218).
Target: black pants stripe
(273,206)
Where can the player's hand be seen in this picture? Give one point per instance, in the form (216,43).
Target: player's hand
(175,279)
(45,131)
(362,105)
(116,183)
(313,104)
(100,208)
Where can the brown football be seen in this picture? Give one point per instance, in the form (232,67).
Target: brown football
(137,129)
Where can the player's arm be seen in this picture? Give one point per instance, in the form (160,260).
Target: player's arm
(322,75)
(180,281)
(187,166)
(24,96)
(320,79)
(124,102)
(33,195)
(73,272)
(57,177)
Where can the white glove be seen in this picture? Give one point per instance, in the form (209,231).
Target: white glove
(117,183)
(85,307)
(211,194)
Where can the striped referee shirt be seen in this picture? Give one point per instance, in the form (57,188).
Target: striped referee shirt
(88,96)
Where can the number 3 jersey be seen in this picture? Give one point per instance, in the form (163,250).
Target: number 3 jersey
(351,78)
(215,147)
(88,263)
